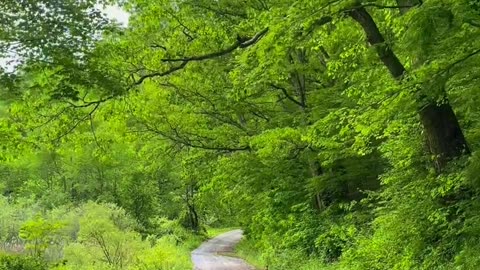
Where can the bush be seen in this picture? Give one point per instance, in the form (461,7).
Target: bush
(165,255)
(39,234)
(106,239)
(15,262)
(95,237)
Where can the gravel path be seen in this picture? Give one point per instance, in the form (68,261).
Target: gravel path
(208,255)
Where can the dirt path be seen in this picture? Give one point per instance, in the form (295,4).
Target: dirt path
(208,255)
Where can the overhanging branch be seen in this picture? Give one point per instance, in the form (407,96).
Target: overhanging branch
(77,123)
(379,6)
(240,43)
(160,74)
(285,92)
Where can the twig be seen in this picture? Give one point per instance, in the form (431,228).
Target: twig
(77,123)
(286,94)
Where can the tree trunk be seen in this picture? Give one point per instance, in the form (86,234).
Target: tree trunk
(375,38)
(192,212)
(315,171)
(444,136)
(298,82)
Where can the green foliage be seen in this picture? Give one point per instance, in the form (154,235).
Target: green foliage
(93,236)
(48,30)
(105,239)
(38,235)
(164,255)
(15,262)
(279,117)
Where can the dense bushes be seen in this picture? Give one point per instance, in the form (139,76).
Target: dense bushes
(17,262)
(92,236)
(417,220)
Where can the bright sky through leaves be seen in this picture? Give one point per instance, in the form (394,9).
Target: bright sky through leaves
(112,12)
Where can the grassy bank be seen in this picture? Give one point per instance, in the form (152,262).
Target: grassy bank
(279,260)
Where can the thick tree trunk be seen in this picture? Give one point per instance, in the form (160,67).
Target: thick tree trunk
(444,136)
(443,133)
(375,38)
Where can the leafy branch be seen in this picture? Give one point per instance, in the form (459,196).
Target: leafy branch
(288,96)
(240,43)
(77,123)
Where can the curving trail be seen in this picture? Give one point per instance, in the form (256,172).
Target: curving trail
(208,255)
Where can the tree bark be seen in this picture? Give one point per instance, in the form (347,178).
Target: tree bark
(444,136)
(315,171)
(375,38)
(192,212)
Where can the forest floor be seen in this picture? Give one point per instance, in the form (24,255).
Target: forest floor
(211,255)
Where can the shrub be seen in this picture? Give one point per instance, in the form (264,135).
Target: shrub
(16,262)
(165,255)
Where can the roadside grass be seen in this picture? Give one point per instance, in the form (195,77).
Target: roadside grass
(193,241)
(286,260)
(247,251)
(214,232)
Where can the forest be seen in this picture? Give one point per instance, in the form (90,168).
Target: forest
(337,134)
